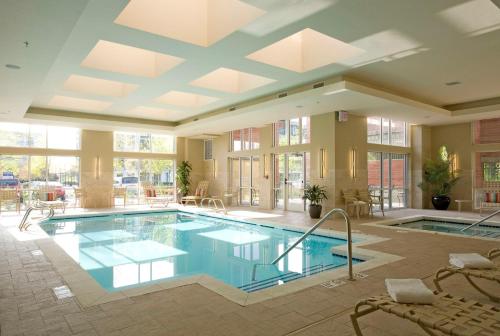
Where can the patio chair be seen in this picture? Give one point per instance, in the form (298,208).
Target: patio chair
(492,274)
(47,197)
(154,195)
(78,195)
(10,196)
(366,196)
(447,315)
(119,192)
(200,193)
(352,202)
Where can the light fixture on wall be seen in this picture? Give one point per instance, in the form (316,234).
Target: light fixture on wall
(322,163)
(453,158)
(214,169)
(97,167)
(266,166)
(353,163)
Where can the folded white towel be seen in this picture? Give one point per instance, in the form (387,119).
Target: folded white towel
(470,260)
(412,291)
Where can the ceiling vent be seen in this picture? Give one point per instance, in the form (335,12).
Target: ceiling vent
(453,83)
(282,95)
(318,85)
(233,108)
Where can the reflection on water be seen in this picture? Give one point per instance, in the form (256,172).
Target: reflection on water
(132,250)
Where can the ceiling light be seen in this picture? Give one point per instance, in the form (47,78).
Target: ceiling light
(12,66)
(306,50)
(231,81)
(200,22)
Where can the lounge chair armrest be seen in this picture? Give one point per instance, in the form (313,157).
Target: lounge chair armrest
(494,253)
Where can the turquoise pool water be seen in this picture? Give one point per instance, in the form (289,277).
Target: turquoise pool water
(482,230)
(121,251)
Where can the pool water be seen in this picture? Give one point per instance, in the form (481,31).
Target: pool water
(489,231)
(121,251)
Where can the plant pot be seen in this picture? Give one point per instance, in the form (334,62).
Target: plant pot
(315,210)
(441,202)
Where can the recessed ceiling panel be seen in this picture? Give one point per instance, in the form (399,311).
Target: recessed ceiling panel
(79,104)
(115,57)
(185,99)
(232,81)
(200,22)
(304,51)
(97,86)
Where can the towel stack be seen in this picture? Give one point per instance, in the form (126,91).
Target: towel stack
(470,260)
(412,291)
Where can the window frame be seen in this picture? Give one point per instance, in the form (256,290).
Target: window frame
(244,134)
(389,135)
(288,129)
(150,136)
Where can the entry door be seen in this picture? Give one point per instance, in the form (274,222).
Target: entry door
(290,175)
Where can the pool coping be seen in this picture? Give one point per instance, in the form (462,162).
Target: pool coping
(89,293)
(391,224)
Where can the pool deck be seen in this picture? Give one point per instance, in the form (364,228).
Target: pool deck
(28,305)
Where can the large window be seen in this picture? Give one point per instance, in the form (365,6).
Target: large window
(387,132)
(292,132)
(245,139)
(28,173)
(36,136)
(132,173)
(144,142)
(487,131)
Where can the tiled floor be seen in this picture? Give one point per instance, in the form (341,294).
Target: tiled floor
(28,305)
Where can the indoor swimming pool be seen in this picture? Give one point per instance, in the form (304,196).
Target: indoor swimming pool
(131,250)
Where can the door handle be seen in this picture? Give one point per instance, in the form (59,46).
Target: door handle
(286,180)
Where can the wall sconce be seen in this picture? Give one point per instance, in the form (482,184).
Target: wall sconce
(322,163)
(266,166)
(453,158)
(353,163)
(214,169)
(97,167)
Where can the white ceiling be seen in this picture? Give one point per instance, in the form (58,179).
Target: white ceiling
(410,47)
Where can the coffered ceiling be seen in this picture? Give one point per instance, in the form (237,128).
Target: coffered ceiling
(175,61)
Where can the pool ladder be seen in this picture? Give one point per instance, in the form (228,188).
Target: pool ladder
(480,221)
(23,226)
(311,230)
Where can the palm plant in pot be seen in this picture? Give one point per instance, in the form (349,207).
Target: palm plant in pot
(183,178)
(439,179)
(315,194)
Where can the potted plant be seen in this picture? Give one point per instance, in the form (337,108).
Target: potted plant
(315,194)
(183,179)
(439,179)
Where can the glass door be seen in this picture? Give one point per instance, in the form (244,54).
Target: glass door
(245,181)
(279,181)
(295,182)
(387,176)
(290,174)
(398,181)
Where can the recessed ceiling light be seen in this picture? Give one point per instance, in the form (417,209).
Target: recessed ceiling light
(13,66)
(453,83)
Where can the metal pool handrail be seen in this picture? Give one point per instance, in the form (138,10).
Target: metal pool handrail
(311,230)
(481,220)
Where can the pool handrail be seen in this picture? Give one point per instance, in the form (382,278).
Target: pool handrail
(481,220)
(312,229)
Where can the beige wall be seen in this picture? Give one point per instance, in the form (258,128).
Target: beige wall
(421,151)
(97,183)
(350,135)
(457,139)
